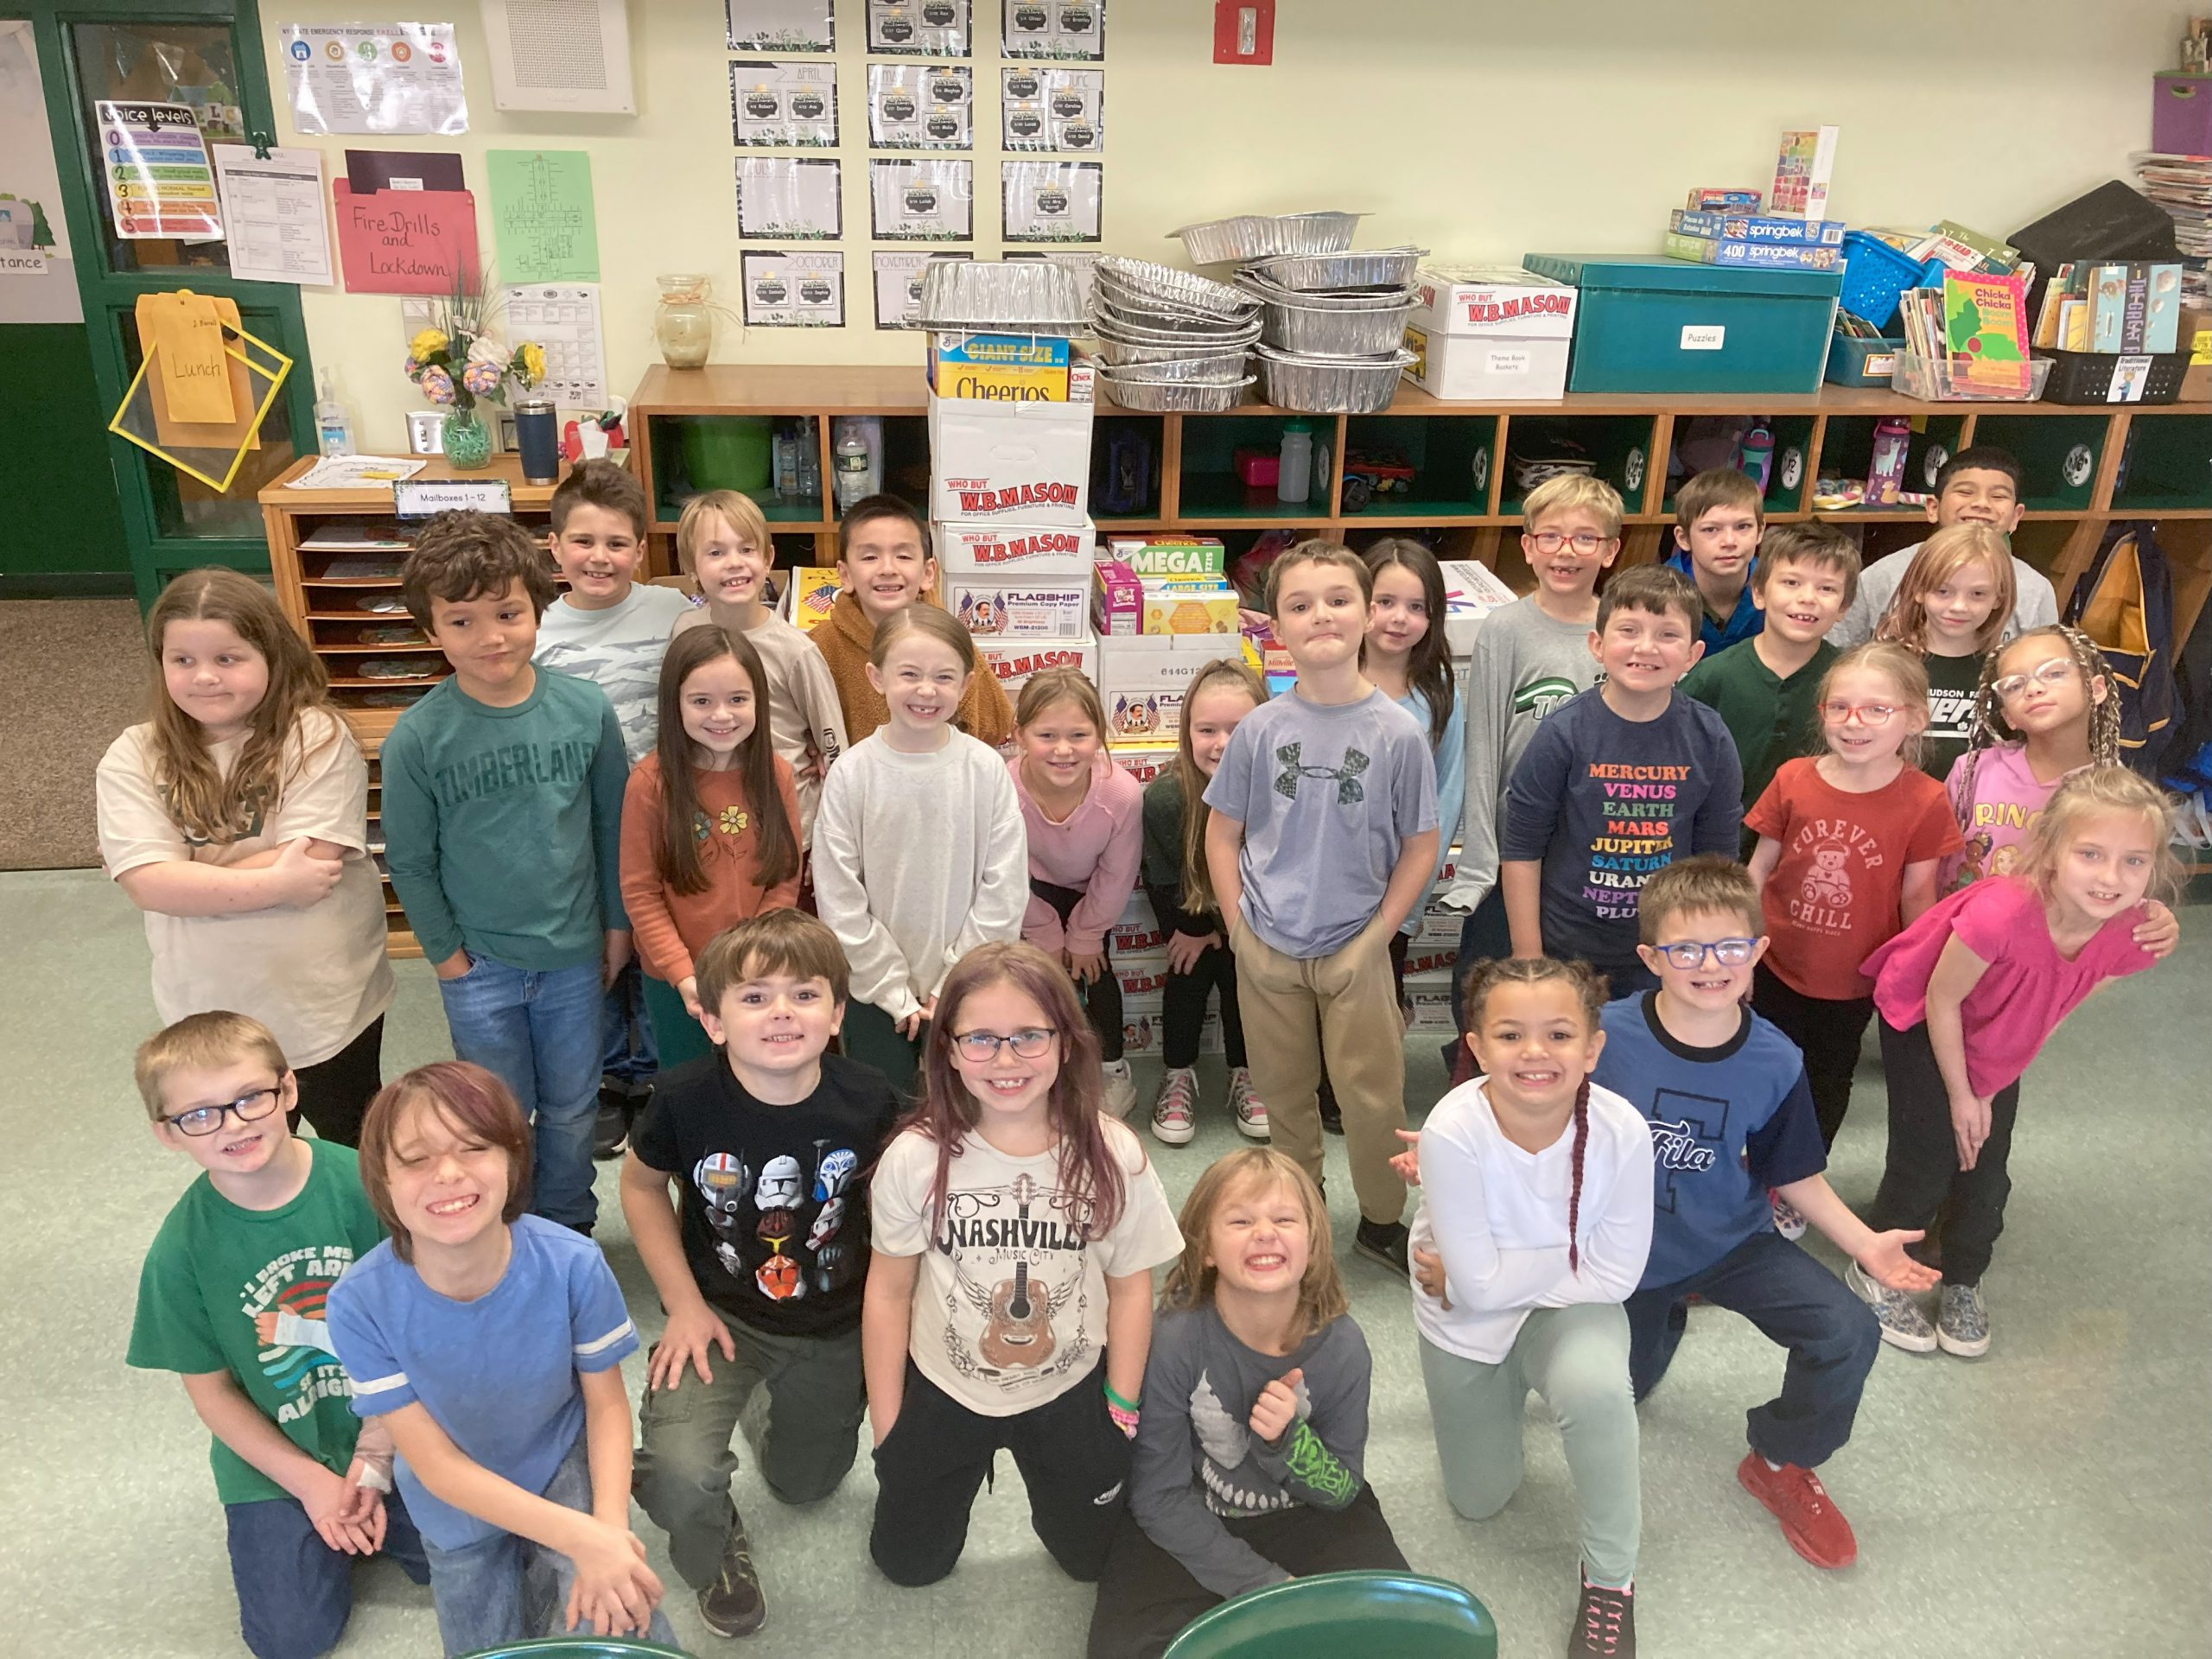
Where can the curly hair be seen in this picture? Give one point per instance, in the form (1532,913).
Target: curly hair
(1990,727)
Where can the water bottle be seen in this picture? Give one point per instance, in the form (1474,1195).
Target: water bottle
(1886,473)
(1756,460)
(850,458)
(1294,466)
(333,427)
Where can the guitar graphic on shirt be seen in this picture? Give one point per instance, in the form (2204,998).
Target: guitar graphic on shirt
(1017,1328)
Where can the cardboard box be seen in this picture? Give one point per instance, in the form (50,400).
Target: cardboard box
(1144,759)
(1013,552)
(1490,333)
(1472,592)
(1138,933)
(1431,959)
(1188,605)
(1014,661)
(1168,556)
(1439,927)
(1428,997)
(809,592)
(1042,609)
(1142,974)
(1142,680)
(1001,368)
(1116,600)
(1023,463)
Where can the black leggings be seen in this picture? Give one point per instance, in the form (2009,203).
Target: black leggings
(1828,1031)
(1922,1182)
(335,1093)
(1183,1008)
(1101,998)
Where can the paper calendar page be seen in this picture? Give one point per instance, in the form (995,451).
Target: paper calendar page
(563,318)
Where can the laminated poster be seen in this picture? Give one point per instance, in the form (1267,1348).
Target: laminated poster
(563,319)
(542,215)
(791,104)
(934,29)
(1051,201)
(898,283)
(804,289)
(160,182)
(38,279)
(785,198)
(1042,109)
(1062,28)
(391,77)
(406,241)
(780,26)
(274,207)
(918,106)
(922,201)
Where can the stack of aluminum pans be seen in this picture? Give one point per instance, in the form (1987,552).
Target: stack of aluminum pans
(1260,236)
(1328,349)
(1169,340)
(1000,297)
(1332,385)
(1324,273)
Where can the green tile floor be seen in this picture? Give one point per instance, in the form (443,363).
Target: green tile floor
(2054,1498)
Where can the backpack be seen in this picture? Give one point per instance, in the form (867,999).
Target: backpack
(2124,602)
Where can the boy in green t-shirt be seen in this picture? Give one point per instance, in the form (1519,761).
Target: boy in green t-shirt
(231,1298)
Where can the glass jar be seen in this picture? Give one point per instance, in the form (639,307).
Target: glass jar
(683,323)
(466,441)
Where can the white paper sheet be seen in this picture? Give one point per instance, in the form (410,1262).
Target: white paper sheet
(356,472)
(783,104)
(789,199)
(922,201)
(373,78)
(803,289)
(563,318)
(933,29)
(920,106)
(275,210)
(780,25)
(1051,201)
(1043,108)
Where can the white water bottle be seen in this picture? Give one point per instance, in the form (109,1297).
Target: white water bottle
(1294,463)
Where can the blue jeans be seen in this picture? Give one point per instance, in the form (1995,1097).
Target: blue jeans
(631,1056)
(538,1033)
(505,1588)
(296,1592)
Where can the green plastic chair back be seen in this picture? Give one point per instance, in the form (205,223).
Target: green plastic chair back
(579,1647)
(1374,1615)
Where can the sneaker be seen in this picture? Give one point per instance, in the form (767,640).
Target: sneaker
(1962,1322)
(1605,1624)
(1789,1220)
(612,1130)
(1251,1112)
(1383,1242)
(732,1603)
(1332,1119)
(1903,1325)
(1809,1519)
(1174,1109)
(1120,1088)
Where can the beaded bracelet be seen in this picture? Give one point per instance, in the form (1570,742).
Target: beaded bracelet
(1123,1411)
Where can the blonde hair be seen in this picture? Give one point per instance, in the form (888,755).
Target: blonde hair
(1236,673)
(1941,556)
(1903,667)
(2098,792)
(740,512)
(202,1042)
(936,621)
(1066,684)
(1191,1280)
(1565,492)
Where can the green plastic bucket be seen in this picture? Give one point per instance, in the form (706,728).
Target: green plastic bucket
(727,453)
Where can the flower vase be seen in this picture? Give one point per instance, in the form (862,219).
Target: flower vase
(467,441)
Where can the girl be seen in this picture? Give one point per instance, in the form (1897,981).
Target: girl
(1848,846)
(489,1341)
(1538,1195)
(1009,1293)
(1083,816)
(237,818)
(1199,960)
(920,853)
(1967,995)
(1248,1467)
(710,831)
(1951,607)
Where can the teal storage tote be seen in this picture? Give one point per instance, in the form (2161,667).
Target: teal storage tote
(1862,362)
(1645,323)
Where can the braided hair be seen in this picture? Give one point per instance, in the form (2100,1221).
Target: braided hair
(1990,727)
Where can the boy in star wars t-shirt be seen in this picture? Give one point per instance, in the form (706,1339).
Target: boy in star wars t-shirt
(767,1143)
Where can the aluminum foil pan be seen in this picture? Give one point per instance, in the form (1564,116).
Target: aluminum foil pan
(1146,284)
(1014,296)
(1259,236)
(1330,386)
(1215,367)
(1167,329)
(1176,396)
(1323,272)
(1122,354)
(1318,330)
(1372,298)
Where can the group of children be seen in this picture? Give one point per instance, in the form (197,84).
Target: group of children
(944,1228)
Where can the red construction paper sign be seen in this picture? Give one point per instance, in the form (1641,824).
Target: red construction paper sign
(406,241)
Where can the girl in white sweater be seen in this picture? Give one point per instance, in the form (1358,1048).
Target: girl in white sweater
(920,853)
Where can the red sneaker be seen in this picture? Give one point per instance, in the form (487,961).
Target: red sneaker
(1809,1519)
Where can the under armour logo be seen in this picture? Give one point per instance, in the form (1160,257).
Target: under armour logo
(1346,778)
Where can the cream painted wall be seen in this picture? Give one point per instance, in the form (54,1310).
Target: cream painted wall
(1476,128)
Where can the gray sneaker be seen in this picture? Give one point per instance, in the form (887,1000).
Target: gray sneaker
(1962,1324)
(1903,1325)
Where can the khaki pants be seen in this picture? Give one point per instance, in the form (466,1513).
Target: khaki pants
(1297,1010)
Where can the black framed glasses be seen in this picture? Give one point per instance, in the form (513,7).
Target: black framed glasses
(982,1047)
(248,1109)
(1729,953)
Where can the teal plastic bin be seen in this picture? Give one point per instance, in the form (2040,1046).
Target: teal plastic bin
(1645,323)
(1855,362)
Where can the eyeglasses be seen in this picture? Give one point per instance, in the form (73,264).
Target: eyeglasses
(1729,953)
(1550,541)
(982,1047)
(2055,672)
(205,1120)
(1866,714)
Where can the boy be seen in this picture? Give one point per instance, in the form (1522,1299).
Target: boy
(769,1274)
(884,565)
(723,544)
(1321,838)
(1980,485)
(1616,785)
(1732,1121)
(1764,688)
(612,630)
(231,1298)
(1719,516)
(503,817)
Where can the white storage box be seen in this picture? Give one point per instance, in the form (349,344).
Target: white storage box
(1431,958)
(1472,592)
(1047,608)
(1139,932)
(1014,552)
(1489,333)
(1142,680)
(1429,997)
(1011,464)
(1142,759)
(1014,660)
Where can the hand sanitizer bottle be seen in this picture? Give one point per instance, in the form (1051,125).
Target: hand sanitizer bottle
(333,427)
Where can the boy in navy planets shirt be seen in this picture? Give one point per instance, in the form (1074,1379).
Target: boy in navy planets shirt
(1731,1120)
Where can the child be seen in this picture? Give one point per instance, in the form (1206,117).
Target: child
(1764,689)
(1321,840)
(1719,517)
(1618,783)
(1249,1460)
(920,853)
(1083,818)
(1731,1119)
(1538,1200)
(1198,957)
(1009,1292)
(505,761)
(1968,994)
(1848,849)
(884,565)
(237,818)
(1950,610)
(751,1143)
(723,544)
(301,1480)
(1978,486)
(709,826)
(1529,657)
(490,1343)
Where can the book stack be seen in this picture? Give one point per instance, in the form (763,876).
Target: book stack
(2182,186)
(1973,332)
(2114,308)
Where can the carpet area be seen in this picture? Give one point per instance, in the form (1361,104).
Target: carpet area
(81,665)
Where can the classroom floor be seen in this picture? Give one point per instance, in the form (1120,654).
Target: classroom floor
(2054,1497)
